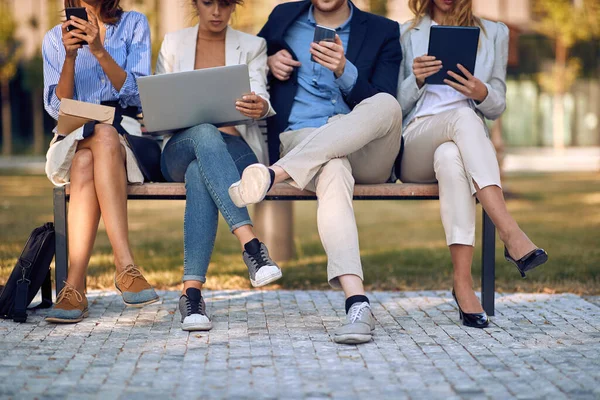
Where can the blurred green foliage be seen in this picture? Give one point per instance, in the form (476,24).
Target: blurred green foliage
(565,23)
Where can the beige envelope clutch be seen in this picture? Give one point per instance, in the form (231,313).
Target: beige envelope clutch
(74,114)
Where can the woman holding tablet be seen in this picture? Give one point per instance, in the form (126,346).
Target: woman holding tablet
(446,140)
(98,164)
(209,160)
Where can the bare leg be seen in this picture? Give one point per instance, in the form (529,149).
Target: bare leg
(352,285)
(462,257)
(244,234)
(110,179)
(516,241)
(84,216)
(280,174)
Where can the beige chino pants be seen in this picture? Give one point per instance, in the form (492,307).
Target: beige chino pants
(453,149)
(357,147)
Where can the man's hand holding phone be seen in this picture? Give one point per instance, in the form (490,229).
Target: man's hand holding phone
(330,55)
(282,65)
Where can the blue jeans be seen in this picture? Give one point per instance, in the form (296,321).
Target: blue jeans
(208,161)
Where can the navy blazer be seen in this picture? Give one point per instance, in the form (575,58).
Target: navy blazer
(373,47)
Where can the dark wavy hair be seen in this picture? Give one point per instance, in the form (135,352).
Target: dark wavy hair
(110,10)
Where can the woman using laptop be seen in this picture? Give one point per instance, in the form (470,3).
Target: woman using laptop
(97,162)
(209,160)
(446,140)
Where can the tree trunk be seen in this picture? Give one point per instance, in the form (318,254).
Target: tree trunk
(274,224)
(38,122)
(558,114)
(558,121)
(6,118)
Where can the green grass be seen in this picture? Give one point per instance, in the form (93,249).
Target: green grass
(403,246)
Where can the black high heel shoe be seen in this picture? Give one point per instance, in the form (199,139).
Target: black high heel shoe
(473,320)
(529,261)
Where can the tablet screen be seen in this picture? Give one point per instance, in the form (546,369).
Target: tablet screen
(453,45)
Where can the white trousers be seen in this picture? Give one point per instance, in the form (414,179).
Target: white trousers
(453,149)
(357,147)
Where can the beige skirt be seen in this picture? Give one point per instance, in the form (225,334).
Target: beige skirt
(61,152)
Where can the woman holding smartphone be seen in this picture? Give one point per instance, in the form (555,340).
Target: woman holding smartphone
(446,140)
(96,160)
(209,160)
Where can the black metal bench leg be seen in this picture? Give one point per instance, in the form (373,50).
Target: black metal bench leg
(61,259)
(488,265)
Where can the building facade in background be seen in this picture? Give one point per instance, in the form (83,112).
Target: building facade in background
(171,15)
(528,116)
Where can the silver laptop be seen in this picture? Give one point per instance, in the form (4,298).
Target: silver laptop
(184,99)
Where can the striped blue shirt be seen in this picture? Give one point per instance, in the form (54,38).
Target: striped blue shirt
(128,43)
(320,93)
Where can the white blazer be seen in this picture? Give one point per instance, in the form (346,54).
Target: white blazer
(490,68)
(178,53)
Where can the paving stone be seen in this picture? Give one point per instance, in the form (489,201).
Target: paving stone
(277,344)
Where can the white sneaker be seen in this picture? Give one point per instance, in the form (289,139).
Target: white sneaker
(193,311)
(253,186)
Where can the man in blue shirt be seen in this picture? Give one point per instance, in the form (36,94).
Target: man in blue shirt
(338,121)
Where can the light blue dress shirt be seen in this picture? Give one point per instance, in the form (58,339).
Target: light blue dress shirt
(319,94)
(128,43)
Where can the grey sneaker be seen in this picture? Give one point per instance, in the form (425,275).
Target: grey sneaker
(261,268)
(193,311)
(358,326)
(253,186)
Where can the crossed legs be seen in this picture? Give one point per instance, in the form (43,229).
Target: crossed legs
(453,149)
(98,186)
(369,136)
(208,161)
(361,146)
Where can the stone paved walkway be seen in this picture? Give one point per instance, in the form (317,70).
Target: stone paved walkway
(277,344)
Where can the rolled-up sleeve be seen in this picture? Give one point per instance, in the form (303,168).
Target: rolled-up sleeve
(52,62)
(139,60)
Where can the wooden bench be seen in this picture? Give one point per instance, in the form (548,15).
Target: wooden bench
(176,191)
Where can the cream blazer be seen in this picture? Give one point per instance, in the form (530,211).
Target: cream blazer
(490,68)
(178,53)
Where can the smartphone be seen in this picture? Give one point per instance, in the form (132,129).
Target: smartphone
(323,34)
(78,12)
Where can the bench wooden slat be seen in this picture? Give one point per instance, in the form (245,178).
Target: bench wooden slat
(166,191)
(284,191)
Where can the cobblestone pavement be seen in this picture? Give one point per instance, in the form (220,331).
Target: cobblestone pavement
(277,344)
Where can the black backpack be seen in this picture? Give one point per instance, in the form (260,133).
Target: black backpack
(31,273)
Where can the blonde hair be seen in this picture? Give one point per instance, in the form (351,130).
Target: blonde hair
(461,13)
